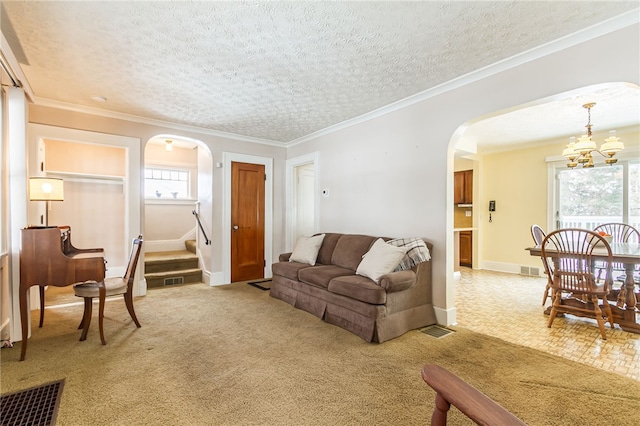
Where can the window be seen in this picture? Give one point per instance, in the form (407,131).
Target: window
(166,183)
(587,198)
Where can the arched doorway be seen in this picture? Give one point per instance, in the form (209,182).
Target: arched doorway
(510,152)
(177,192)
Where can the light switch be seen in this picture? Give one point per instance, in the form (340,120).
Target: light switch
(467,213)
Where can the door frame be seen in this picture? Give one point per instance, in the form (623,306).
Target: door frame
(227,159)
(290,179)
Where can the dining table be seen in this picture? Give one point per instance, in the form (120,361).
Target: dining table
(626,310)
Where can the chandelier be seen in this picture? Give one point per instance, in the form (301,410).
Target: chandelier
(580,152)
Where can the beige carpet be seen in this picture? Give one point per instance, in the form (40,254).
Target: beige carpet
(233,355)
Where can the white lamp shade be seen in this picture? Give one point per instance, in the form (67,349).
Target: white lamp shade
(46,189)
(570,151)
(612,144)
(585,144)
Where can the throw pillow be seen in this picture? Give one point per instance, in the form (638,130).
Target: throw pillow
(417,252)
(306,249)
(381,259)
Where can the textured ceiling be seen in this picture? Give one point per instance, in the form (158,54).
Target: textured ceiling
(271,70)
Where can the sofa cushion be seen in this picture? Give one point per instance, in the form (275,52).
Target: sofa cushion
(306,249)
(417,252)
(381,259)
(350,249)
(288,269)
(326,249)
(320,275)
(358,288)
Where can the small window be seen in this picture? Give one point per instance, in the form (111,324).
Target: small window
(166,183)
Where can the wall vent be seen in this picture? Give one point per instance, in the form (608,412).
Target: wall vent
(529,271)
(173,280)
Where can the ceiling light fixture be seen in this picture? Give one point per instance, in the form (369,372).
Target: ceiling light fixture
(580,152)
(168,145)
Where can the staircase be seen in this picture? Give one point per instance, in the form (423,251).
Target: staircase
(167,268)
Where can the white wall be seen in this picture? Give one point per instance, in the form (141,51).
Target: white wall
(392,175)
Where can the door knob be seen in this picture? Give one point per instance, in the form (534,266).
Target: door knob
(235,227)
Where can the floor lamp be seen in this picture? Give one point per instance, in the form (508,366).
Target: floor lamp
(46,189)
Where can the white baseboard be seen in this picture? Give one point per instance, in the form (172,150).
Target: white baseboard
(216,278)
(206,277)
(445,317)
(511,268)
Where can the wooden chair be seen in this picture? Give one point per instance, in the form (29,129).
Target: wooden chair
(109,287)
(538,236)
(452,390)
(572,253)
(620,233)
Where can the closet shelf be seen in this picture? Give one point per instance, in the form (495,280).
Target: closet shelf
(86,177)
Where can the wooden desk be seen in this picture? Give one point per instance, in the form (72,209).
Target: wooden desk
(47,257)
(624,312)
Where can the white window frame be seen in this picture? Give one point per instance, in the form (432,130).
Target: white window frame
(192,174)
(555,164)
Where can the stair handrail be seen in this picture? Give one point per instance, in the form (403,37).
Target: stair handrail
(207,241)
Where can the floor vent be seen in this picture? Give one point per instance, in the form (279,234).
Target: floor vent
(173,280)
(436,331)
(34,406)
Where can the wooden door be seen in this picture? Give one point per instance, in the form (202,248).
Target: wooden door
(466,249)
(247,221)
(468,186)
(463,187)
(458,188)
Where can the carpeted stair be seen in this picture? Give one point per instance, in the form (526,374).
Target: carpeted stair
(168,268)
(191,245)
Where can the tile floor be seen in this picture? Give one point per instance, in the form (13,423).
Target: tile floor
(508,306)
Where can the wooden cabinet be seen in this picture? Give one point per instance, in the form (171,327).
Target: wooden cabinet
(466,243)
(463,187)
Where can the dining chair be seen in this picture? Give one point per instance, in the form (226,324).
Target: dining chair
(538,236)
(620,233)
(572,252)
(112,286)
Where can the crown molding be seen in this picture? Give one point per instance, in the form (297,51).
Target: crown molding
(605,27)
(152,121)
(9,62)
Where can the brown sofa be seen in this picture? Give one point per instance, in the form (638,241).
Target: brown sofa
(331,290)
